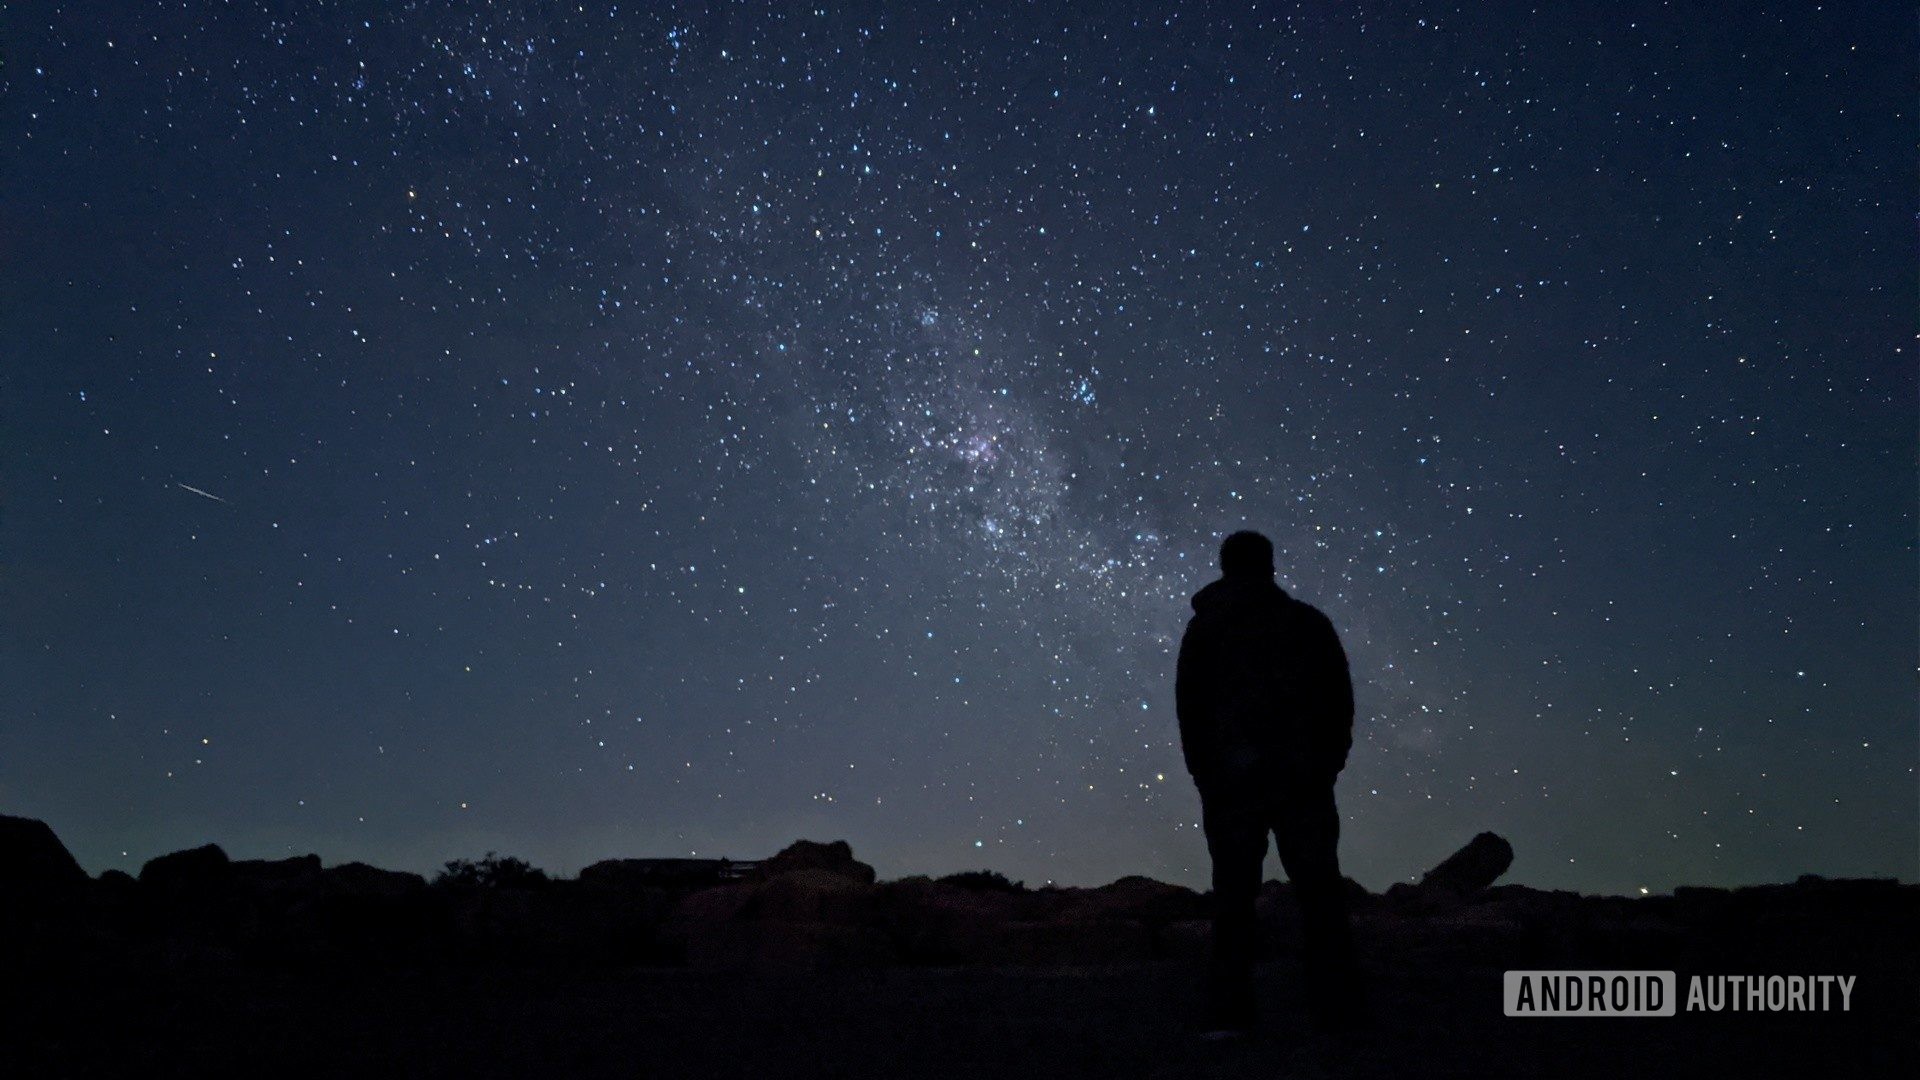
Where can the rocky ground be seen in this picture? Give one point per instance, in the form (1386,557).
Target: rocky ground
(806,966)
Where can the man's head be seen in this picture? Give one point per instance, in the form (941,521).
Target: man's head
(1246,554)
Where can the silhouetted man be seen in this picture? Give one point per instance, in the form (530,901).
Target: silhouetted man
(1266,720)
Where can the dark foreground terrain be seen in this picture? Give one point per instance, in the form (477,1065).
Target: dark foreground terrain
(1129,1020)
(803,965)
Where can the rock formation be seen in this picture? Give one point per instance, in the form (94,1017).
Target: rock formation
(1465,873)
(814,906)
(33,861)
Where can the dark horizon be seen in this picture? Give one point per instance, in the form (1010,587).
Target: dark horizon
(578,435)
(884,875)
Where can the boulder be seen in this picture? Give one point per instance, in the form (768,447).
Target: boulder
(194,869)
(600,926)
(988,880)
(33,861)
(1473,868)
(275,874)
(118,882)
(114,900)
(816,910)
(812,895)
(718,904)
(1143,899)
(806,919)
(657,873)
(700,913)
(836,857)
(359,879)
(359,911)
(935,922)
(1465,874)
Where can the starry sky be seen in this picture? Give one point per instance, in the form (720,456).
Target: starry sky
(586,430)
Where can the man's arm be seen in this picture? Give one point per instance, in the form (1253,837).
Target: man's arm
(1336,703)
(1190,703)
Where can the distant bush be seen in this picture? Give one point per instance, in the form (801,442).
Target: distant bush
(984,881)
(492,872)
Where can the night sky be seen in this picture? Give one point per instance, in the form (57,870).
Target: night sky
(611,430)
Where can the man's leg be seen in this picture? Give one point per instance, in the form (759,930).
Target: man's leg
(1307,832)
(1237,841)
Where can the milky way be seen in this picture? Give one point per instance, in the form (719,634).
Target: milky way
(651,429)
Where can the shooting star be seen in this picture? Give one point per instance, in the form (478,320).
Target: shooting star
(202,494)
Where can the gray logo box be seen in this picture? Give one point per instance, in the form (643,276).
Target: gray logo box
(1590,993)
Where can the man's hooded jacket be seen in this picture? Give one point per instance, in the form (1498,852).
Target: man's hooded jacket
(1262,690)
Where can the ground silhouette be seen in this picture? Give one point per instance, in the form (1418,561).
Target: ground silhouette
(803,964)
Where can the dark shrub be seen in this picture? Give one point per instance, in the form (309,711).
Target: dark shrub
(984,881)
(492,872)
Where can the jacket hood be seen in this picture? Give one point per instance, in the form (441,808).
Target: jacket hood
(1228,593)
